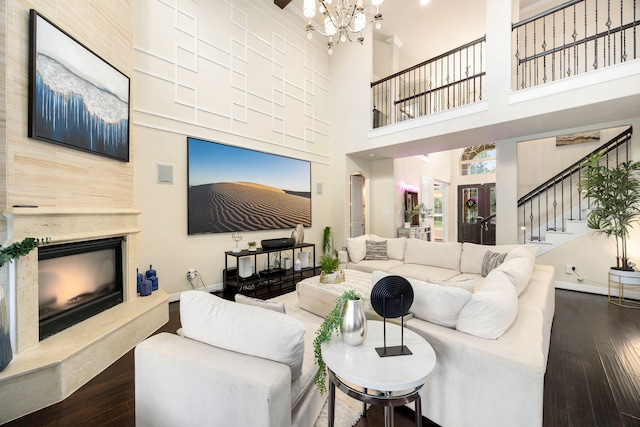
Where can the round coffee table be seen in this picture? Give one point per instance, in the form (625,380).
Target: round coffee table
(396,380)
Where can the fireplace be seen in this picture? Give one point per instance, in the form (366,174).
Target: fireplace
(76,281)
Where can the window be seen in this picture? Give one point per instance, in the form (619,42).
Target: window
(478,160)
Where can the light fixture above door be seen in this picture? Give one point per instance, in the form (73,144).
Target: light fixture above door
(346,20)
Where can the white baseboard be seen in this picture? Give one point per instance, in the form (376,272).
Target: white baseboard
(210,288)
(598,290)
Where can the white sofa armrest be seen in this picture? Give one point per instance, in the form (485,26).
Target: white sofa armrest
(184,382)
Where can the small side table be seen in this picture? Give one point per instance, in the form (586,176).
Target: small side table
(619,279)
(395,380)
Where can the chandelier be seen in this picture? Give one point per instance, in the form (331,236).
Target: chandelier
(346,19)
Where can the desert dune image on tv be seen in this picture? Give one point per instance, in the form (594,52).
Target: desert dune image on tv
(237,189)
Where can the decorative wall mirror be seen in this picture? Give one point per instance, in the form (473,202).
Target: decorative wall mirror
(410,202)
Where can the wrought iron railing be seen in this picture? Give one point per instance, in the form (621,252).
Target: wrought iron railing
(551,204)
(573,38)
(455,78)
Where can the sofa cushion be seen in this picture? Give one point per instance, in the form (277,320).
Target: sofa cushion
(528,252)
(243,328)
(278,307)
(445,255)
(518,270)
(422,272)
(431,302)
(492,309)
(395,248)
(376,250)
(490,261)
(357,247)
(473,254)
(466,284)
(369,266)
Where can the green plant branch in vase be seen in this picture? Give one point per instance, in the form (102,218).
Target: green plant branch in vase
(18,249)
(329,327)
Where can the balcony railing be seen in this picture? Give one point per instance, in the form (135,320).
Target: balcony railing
(573,38)
(455,78)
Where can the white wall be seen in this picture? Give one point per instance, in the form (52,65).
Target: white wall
(241,73)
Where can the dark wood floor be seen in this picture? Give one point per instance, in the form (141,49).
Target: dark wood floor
(593,375)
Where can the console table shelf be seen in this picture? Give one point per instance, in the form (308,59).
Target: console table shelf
(270,281)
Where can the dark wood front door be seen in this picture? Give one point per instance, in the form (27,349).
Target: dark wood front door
(476,213)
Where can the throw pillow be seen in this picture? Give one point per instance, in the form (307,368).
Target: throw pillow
(376,251)
(395,248)
(518,270)
(243,328)
(492,308)
(490,261)
(466,284)
(278,307)
(357,247)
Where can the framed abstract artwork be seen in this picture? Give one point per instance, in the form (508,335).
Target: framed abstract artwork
(237,189)
(76,99)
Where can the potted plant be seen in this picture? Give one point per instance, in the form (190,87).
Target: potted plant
(410,213)
(329,262)
(252,246)
(615,201)
(325,332)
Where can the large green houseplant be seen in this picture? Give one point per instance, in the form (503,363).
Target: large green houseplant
(614,195)
(329,327)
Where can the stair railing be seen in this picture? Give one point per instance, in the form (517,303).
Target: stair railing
(552,203)
(449,80)
(574,37)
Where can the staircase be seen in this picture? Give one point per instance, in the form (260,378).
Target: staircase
(555,212)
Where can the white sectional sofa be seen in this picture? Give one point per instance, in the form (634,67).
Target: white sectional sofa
(241,365)
(492,360)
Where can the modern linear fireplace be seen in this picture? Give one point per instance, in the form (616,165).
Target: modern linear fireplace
(76,281)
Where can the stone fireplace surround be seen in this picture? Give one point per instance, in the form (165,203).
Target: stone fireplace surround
(45,372)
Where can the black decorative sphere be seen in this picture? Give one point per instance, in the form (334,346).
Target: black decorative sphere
(392,296)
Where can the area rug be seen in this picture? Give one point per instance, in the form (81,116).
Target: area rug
(348,412)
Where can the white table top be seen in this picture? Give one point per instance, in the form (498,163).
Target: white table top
(362,366)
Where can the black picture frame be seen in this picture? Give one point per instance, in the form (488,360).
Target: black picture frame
(76,98)
(238,189)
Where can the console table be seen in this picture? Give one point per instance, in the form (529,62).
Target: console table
(269,281)
(398,379)
(421,232)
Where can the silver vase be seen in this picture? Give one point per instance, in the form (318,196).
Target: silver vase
(354,323)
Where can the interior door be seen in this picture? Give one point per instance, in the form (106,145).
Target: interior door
(476,213)
(357,205)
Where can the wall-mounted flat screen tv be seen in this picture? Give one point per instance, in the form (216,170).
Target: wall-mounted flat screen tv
(236,189)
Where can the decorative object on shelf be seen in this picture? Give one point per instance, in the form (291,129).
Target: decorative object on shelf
(392,297)
(331,324)
(18,249)
(304,259)
(252,246)
(236,237)
(6,353)
(297,266)
(345,20)
(298,234)
(153,276)
(354,322)
(286,262)
(336,277)
(146,287)
(614,193)
(244,267)
(139,278)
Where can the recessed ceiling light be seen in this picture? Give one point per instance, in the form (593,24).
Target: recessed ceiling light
(424,2)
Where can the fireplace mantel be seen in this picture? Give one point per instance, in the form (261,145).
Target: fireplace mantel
(46,372)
